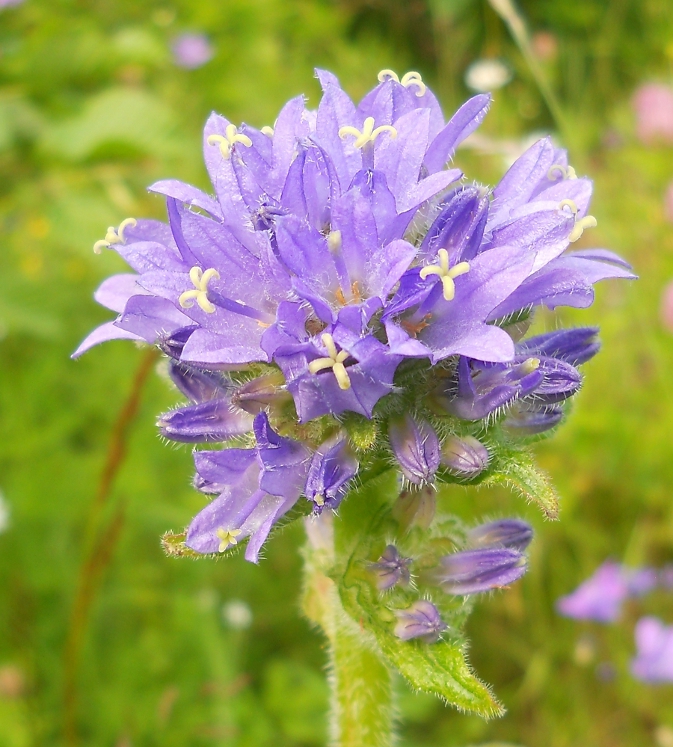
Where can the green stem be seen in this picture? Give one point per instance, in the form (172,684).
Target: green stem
(362,711)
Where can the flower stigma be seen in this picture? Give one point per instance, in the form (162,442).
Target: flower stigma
(114,235)
(580,225)
(335,362)
(566,172)
(368,133)
(227,141)
(446,274)
(199,293)
(227,537)
(412,78)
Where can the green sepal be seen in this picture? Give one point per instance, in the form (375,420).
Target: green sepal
(364,527)
(516,468)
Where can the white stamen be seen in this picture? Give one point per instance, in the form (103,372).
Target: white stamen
(580,225)
(200,292)
(412,78)
(446,273)
(114,235)
(334,241)
(266,130)
(228,140)
(228,537)
(567,172)
(368,134)
(335,362)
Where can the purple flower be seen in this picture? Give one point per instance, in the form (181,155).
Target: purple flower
(530,419)
(421,620)
(513,533)
(602,595)
(474,571)
(464,456)
(654,657)
(416,448)
(192,50)
(257,486)
(391,569)
(332,468)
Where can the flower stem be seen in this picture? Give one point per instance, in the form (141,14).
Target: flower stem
(362,712)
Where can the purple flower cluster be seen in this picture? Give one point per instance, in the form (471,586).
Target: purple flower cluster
(342,274)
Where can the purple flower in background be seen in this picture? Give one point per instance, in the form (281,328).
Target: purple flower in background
(653,107)
(421,620)
(9,3)
(391,569)
(192,50)
(602,595)
(653,662)
(474,571)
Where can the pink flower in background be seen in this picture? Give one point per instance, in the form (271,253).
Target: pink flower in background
(654,643)
(191,50)
(666,310)
(9,3)
(653,106)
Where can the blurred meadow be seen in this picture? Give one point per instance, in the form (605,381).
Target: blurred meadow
(104,640)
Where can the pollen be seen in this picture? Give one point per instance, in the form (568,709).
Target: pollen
(227,141)
(335,362)
(266,130)
(199,293)
(446,273)
(412,78)
(227,537)
(319,500)
(580,225)
(529,365)
(368,134)
(566,172)
(114,235)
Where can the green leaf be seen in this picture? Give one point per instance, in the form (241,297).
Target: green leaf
(517,469)
(441,668)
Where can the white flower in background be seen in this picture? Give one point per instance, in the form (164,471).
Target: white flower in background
(4,513)
(487,75)
(237,615)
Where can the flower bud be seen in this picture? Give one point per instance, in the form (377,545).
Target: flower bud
(421,620)
(257,394)
(197,385)
(560,380)
(465,456)
(574,346)
(474,571)
(416,448)
(415,507)
(513,533)
(528,420)
(173,344)
(332,468)
(206,422)
(391,569)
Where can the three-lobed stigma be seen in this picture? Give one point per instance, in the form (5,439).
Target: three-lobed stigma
(446,273)
(580,225)
(412,78)
(114,235)
(335,362)
(368,134)
(227,141)
(199,293)
(227,537)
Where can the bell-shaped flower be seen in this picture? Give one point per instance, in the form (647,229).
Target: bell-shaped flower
(332,468)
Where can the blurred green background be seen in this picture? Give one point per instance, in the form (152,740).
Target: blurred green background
(170,652)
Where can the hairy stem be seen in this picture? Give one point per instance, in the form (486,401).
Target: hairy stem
(362,710)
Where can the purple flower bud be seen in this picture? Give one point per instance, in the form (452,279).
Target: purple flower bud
(527,420)
(421,620)
(391,569)
(199,386)
(464,457)
(654,651)
(459,227)
(560,380)
(574,346)
(191,51)
(416,447)
(333,466)
(474,571)
(174,343)
(260,393)
(206,422)
(513,533)
(415,507)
